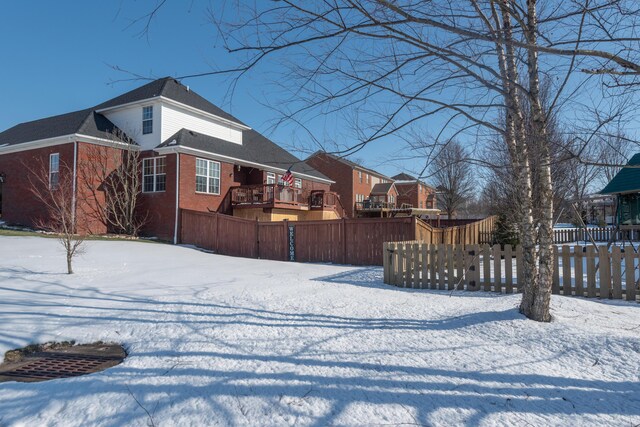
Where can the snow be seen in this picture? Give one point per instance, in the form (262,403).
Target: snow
(216,340)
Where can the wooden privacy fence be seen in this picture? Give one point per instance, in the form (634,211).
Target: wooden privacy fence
(357,241)
(472,233)
(343,241)
(578,271)
(599,234)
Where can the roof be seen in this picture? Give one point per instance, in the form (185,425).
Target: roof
(382,188)
(255,148)
(404,177)
(168,87)
(85,122)
(349,163)
(627,180)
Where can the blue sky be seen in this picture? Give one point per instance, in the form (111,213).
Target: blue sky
(58,57)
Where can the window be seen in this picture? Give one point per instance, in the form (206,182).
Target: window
(154,174)
(147,120)
(54,170)
(367,177)
(207,176)
(271,178)
(360,176)
(297,183)
(420,205)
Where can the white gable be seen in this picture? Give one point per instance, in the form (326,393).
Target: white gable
(168,118)
(129,120)
(175,118)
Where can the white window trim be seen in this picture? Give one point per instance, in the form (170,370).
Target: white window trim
(271,176)
(51,172)
(147,120)
(297,183)
(207,161)
(154,174)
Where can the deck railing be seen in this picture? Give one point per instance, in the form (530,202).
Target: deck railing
(273,195)
(320,199)
(371,204)
(267,195)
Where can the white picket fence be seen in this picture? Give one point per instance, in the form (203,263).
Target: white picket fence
(578,270)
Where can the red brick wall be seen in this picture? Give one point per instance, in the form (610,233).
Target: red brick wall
(340,173)
(189,199)
(90,202)
(159,207)
(19,205)
(410,193)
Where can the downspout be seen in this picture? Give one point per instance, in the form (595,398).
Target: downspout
(175,228)
(73,192)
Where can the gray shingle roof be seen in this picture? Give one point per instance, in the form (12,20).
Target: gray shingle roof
(255,148)
(172,89)
(404,177)
(382,188)
(353,165)
(627,180)
(86,122)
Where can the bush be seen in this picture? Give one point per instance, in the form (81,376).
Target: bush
(506,232)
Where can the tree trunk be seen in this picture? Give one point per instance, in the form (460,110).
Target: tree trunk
(69,266)
(536,300)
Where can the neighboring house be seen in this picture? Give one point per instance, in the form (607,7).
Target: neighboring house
(351,181)
(413,192)
(625,187)
(383,195)
(194,156)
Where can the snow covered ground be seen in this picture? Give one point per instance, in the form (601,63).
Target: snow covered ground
(215,340)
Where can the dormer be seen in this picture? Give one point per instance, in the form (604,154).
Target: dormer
(154,112)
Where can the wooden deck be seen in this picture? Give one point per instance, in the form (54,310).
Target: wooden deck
(283,197)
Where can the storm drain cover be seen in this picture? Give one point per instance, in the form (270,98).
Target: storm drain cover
(65,362)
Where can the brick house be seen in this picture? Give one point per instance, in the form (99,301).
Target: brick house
(193,156)
(413,192)
(352,181)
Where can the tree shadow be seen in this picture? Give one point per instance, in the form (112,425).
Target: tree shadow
(246,362)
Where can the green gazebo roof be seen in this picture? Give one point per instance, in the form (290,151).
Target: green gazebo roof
(627,180)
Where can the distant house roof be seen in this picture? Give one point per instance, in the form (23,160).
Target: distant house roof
(85,122)
(627,180)
(382,188)
(404,177)
(350,163)
(255,148)
(172,89)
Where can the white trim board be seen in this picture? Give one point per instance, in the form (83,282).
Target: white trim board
(60,140)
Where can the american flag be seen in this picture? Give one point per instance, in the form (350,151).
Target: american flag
(287,178)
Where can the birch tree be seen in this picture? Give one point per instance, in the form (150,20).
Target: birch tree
(466,65)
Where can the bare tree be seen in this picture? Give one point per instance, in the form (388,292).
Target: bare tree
(53,187)
(391,64)
(453,177)
(615,150)
(111,182)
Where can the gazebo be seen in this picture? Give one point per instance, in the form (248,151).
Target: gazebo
(625,186)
